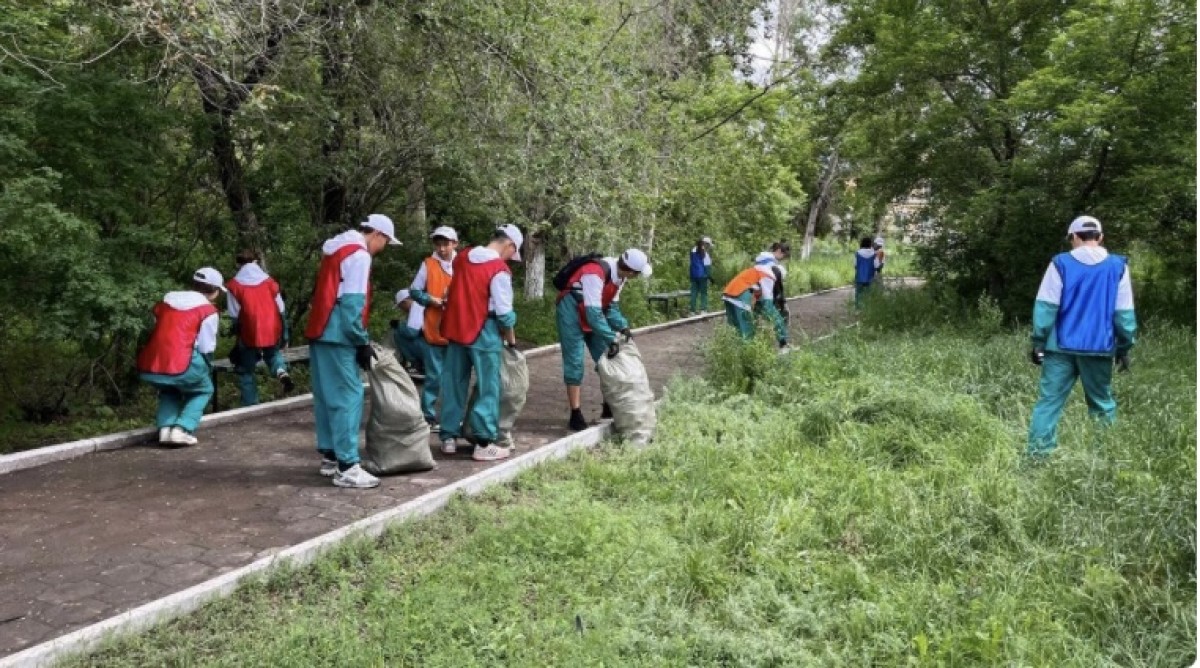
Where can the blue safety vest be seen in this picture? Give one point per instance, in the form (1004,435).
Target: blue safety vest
(1089,300)
(864,268)
(697,269)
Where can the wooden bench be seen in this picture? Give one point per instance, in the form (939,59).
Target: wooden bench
(668,299)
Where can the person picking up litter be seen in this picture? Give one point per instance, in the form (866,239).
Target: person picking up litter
(430,289)
(255,304)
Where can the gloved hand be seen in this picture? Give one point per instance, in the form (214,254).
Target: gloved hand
(783,343)
(627,334)
(364,355)
(234,329)
(613,349)
(1037,356)
(1122,362)
(235,354)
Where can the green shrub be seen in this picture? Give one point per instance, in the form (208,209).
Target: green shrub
(735,365)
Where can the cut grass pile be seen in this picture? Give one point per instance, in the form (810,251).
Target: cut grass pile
(864,503)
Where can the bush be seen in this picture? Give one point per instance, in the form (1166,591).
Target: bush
(734,365)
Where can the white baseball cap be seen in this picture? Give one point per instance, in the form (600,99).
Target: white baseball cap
(1084,224)
(637,261)
(706,240)
(402,295)
(878,241)
(211,277)
(383,224)
(515,236)
(446,232)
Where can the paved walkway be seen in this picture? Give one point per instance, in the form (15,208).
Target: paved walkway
(85,539)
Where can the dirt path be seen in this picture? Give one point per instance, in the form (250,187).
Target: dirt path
(86,539)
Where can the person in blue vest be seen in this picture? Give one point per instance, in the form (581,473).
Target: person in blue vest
(1083,321)
(700,273)
(866,264)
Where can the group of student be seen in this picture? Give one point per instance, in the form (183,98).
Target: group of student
(460,317)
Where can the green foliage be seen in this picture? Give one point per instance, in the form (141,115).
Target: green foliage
(865,504)
(735,365)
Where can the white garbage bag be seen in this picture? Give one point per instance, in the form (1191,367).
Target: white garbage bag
(626,388)
(397,435)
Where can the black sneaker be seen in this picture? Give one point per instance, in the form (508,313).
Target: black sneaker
(605,411)
(577,422)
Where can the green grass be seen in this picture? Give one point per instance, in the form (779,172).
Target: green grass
(864,503)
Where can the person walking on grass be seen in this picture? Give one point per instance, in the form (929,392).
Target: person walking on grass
(753,290)
(341,345)
(406,333)
(1083,322)
(866,263)
(478,321)
(700,274)
(177,360)
(588,313)
(255,305)
(430,289)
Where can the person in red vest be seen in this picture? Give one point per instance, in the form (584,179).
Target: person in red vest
(177,360)
(478,321)
(256,306)
(589,312)
(430,289)
(340,345)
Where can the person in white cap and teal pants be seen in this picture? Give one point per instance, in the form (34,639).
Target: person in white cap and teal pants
(406,334)
(478,322)
(430,289)
(700,274)
(1083,322)
(177,360)
(340,345)
(589,313)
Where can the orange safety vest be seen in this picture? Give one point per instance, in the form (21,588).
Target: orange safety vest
(437,284)
(747,280)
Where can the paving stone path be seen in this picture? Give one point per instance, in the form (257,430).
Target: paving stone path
(86,539)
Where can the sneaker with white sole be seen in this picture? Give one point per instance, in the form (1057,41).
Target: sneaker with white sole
(328,466)
(178,436)
(490,453)
(163,434)
(355,477)
(449,447)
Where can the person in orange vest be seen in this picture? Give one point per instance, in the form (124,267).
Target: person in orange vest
(478,321)
(255,305)
(588,312)
(430,289)
(340,345)
(177,360)
(753,289)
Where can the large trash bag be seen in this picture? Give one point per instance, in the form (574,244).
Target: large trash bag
(397,435)
(514,389)
(626,388)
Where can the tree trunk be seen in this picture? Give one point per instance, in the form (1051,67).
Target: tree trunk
(534,254)
(818,207)
(414,207)
(229,166)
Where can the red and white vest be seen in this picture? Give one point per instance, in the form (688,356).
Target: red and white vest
(169,350)
(325,292)
(259,322)
(607,294)
(467,309)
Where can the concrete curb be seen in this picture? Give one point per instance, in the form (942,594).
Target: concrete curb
(183,602)
(64,451)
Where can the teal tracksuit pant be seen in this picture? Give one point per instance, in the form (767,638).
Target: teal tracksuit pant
(247,362)
(410,344)
(860,289)
(435,363)
(572,339)
(742,319)
(182,398)
(484,357)
(699,293)
(1059,372)
(337,399)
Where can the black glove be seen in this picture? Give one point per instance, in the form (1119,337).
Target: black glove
(1122,362)
(364,355)
(613,349)
(627,334)
(1037,355)
(783,343)
(394,324)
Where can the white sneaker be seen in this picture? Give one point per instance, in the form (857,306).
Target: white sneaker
(163,434)
(177,436)
(355,477)
(449,448)
(328,467)
(491,453)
